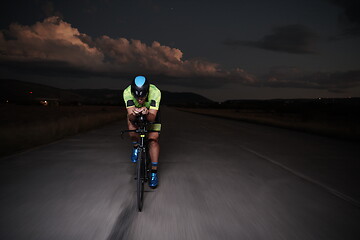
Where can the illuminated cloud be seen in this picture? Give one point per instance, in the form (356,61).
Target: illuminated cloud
(51,40)
(54,44)
(297,39)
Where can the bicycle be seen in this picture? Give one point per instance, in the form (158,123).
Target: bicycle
(143,162)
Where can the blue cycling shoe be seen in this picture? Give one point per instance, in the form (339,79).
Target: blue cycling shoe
(134,155)
(154,180)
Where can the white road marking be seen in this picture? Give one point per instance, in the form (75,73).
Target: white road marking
(300,175)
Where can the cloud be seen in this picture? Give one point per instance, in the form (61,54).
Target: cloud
(52,39)
(55,48)
(292,77)
(54,42)
(297,39)
(349,20)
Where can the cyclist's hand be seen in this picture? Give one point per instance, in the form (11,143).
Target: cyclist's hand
(144,111)
(136,111)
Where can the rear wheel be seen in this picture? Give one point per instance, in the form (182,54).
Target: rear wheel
(140,169)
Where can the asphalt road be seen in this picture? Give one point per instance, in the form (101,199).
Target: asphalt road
(219,179)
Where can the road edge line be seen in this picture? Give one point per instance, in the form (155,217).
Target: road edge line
(302,176)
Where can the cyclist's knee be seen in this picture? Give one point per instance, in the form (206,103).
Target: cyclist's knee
(153,141)
(133,135)
(154,136)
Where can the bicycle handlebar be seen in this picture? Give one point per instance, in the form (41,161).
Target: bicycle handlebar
(140,131)
(141,123)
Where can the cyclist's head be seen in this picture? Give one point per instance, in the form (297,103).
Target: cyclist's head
(140,87)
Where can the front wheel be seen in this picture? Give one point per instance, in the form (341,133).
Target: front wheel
(140,175)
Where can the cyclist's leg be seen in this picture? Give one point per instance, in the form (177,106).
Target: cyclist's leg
(133,136)
(154,148)
(153,138)
(135,141)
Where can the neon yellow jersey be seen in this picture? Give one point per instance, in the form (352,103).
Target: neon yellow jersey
(152,101)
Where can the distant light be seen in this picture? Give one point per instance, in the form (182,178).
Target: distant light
(44,103)
(319,98)
(7,101)
(30,92)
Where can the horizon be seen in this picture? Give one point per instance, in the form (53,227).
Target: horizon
(240,99)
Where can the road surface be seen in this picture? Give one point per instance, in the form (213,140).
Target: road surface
(219,179)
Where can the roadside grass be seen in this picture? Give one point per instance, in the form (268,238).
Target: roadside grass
(319,123)
(23,127)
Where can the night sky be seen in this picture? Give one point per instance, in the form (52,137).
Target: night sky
(221,49)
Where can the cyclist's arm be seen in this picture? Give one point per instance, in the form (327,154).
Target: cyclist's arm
(151,115)
(131,113)
(154,105)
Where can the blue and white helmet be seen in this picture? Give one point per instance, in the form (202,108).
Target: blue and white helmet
(140,87)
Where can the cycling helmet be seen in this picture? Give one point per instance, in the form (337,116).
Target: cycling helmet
(140,87)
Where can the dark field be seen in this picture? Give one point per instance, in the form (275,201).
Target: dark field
(22,127)
(28,114)
(330,117)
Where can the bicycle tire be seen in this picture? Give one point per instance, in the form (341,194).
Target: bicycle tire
(140,180)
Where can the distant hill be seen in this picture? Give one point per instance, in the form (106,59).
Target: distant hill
(100,96)
(22,92)
(114,97)
(184,98)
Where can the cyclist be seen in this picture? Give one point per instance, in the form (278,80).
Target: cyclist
(141,97)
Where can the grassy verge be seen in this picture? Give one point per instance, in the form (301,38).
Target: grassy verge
(23,127)
(322,124)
